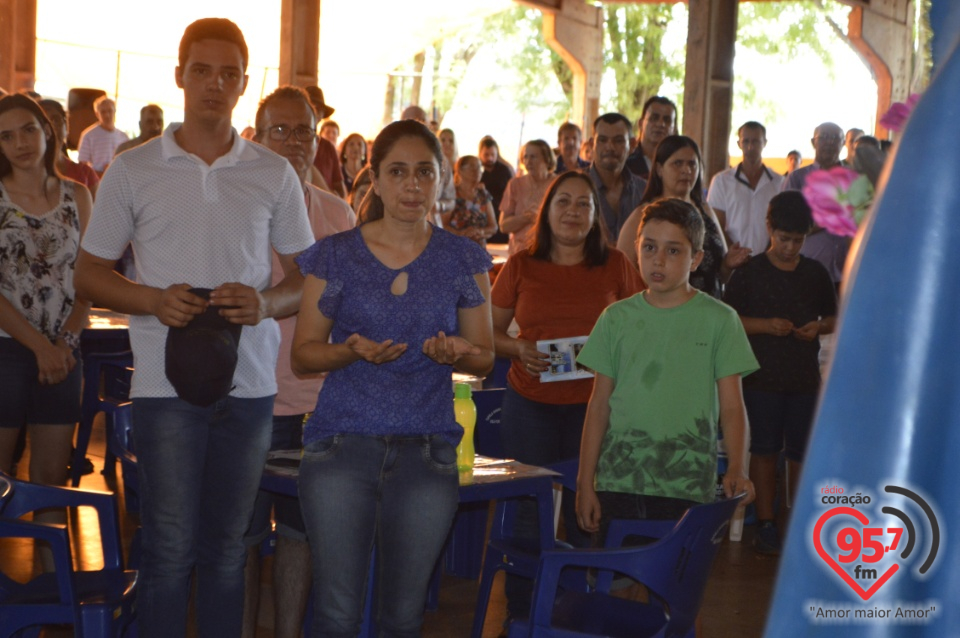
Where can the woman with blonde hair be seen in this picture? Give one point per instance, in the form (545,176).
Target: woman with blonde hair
(524,194)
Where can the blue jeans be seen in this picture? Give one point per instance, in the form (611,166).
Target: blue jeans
(539,434)
(199,470)
(398,493)
(287,434)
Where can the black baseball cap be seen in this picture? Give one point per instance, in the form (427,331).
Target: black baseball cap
(201,357)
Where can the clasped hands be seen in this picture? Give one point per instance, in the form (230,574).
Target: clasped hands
(176,306)
(783,327)
(443,349)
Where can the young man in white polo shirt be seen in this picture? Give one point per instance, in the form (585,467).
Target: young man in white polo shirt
(740,196)
(202,208)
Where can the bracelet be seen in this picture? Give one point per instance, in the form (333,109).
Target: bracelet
(72,339)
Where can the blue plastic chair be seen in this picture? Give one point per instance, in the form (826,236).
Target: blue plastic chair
(106,385)
(98,603)
(674,569)
(120,446)
(518,556)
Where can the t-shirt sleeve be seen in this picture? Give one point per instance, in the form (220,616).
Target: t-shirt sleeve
(734,354)
(716,196)
(508,203)
(826,293)
(111,224)
(84,149)
(597,353)
(504,292)
(319,260)
(289,227)
(475,260)
(735,292)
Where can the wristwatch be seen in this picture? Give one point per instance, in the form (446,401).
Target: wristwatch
(72,339)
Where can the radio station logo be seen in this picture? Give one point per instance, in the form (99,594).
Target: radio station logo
(867,540)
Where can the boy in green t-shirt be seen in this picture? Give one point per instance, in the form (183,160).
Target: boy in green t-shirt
(668,363)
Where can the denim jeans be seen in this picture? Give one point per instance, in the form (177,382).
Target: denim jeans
(539,434)
(199,469)
(398,493)
(287,434)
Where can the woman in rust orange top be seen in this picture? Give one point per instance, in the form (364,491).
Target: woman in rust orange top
(555,289)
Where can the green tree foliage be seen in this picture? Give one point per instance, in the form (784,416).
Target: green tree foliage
(633,51)
(790,29)
(635,57)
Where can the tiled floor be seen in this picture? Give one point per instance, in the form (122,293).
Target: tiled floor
(734,606)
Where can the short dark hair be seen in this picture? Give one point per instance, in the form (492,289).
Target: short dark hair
(212,29)
(657,99)
(869,140)
(595,249)
(150,107)
(789,212)
(569,126)
(794,152)
(329,124)
(386,140)
(487,141)
(678,213)
(53,105)
(286,92)
(613,118)
(757,126)
(665,149)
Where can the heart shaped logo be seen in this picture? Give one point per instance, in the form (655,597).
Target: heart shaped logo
(829,560)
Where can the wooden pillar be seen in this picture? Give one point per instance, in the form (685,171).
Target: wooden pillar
(18,44)
(575,32)
(708,86)
(883,36)
(299,41)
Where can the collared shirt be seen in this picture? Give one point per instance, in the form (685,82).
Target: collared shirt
(630,197)
(202,225)
(745,206)
(298,394)
(562,168)
(638,164)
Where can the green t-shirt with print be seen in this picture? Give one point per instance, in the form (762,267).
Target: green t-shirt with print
(665,363)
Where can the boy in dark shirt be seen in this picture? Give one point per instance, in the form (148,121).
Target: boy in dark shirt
(785,301)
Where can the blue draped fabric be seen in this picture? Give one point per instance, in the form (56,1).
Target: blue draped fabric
(890,412)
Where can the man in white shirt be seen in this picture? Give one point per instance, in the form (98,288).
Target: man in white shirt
(99,141)
(286,124)
(203,208)
(740,196)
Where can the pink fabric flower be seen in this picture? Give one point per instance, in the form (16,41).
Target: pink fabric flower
(899,112)
(826,192)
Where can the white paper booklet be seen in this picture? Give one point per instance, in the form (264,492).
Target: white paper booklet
(563,359)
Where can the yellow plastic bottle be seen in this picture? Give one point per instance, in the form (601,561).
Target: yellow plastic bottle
(465,411)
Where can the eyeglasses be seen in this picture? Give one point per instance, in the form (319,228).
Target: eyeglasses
(281,133)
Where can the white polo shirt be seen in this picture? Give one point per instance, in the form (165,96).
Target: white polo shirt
(745,207)
(201,225)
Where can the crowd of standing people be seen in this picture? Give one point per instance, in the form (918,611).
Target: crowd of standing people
(350,279)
